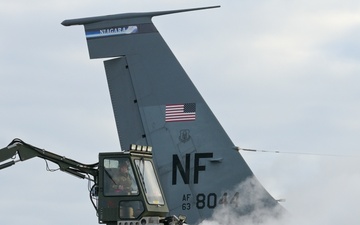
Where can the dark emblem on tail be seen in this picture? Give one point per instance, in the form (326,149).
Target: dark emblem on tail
(184,135)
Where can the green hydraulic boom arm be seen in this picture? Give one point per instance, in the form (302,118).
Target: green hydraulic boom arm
(26,151)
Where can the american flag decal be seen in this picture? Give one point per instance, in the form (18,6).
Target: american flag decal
(180,112)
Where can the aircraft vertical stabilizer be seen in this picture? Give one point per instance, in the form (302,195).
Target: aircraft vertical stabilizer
(155,103)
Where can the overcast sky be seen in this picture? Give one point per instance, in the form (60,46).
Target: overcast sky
(279,75)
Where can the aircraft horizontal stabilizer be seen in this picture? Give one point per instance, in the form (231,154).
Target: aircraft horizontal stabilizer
(115,35)
(88,20)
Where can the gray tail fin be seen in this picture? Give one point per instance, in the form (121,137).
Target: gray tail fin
(155,103)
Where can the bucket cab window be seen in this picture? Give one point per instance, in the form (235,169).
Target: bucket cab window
(149,181)
(119,177)
(130,209)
